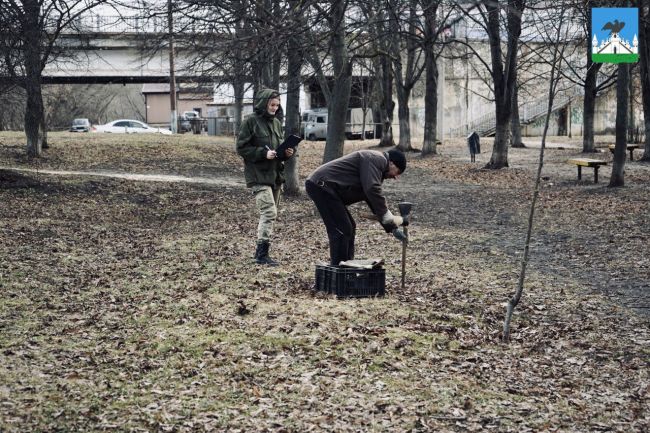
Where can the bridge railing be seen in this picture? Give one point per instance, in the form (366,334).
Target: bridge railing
(94,23)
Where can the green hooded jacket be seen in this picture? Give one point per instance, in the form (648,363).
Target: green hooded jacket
(258,131)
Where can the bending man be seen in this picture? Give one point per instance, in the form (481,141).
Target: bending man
(352,178)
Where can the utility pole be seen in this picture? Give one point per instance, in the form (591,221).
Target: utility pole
(172,76)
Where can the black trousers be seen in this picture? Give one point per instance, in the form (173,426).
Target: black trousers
(341,228)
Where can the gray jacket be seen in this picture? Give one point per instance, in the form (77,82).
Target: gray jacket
(356,177)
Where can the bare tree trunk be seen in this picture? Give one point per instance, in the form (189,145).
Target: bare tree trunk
(43,130)
(336,112)
(404,48)
(622,100)
(589,109)
(429,146)
(644,51)
(339,96)
(387,104)
(238,80)
(503,75)
(34,115)
(515,129)
(431,82)
(34,112)
(404,115)
(499,158)
(376,13)
(263,63)
(276,56)
(292,125)
(630,107)
(591,89)
(174,121)
(238,91)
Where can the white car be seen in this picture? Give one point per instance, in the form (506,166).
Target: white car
(128,126)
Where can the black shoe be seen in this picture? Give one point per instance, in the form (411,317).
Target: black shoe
(258,250)
(266,261)
(262,255)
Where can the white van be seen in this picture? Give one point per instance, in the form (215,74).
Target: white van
(314,123)
(191,115)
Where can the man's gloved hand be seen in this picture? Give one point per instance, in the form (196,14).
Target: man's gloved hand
(399,235)
(388,220)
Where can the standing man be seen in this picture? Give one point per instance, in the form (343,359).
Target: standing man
(350,179)
(259,136)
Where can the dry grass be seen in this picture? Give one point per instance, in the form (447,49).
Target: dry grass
(134,306)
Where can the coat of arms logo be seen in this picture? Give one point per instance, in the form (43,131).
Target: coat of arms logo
(615,35)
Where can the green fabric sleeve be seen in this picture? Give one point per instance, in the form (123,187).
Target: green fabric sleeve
(246,147)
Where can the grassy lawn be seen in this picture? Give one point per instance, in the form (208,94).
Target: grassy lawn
(134,305)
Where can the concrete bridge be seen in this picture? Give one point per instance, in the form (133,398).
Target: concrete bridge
(112,49)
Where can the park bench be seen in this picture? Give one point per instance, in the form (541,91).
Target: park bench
(630,148)
(587,162)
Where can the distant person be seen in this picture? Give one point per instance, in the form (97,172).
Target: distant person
(352,178)
(259,136)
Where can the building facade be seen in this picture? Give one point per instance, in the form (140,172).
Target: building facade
(189,97)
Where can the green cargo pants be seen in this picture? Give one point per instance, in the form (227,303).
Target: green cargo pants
(267,200)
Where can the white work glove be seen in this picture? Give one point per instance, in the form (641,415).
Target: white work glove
(389,218)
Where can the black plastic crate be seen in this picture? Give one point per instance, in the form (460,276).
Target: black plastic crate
(350,282)
(324,278)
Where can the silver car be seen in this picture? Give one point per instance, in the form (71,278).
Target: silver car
(80,125)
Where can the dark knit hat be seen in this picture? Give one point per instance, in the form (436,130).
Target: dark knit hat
(398,159)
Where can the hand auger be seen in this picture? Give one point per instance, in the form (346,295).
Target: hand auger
(405,211)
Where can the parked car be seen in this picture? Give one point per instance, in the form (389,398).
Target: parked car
(80,125)
(194,120)
(316,126)
(128,126)
(184,124)
(305,116)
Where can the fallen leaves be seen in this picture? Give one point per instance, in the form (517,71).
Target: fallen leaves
(135,306)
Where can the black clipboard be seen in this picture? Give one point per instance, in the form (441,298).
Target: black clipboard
(290,142)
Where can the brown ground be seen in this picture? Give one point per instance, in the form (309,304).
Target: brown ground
(583,231)
(133,305)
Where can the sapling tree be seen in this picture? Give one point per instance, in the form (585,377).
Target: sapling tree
(554,25)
